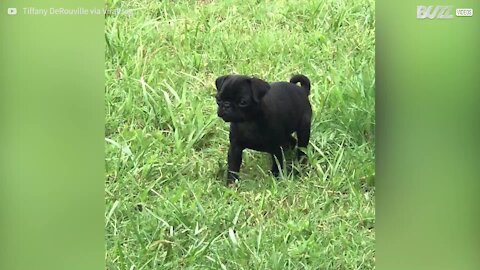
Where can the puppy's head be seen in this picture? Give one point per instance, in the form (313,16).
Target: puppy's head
(238,97)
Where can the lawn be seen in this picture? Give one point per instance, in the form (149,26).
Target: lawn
(167,205)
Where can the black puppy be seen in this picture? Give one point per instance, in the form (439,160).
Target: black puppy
(263,117)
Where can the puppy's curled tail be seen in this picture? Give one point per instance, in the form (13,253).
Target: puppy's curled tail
(303,80)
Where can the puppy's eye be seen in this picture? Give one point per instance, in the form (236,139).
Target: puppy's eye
(243,103)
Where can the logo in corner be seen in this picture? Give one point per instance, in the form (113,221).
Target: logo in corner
(434,12)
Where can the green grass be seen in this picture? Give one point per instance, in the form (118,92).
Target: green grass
(167,206)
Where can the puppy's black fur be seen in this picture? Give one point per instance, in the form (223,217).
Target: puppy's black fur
(263,117)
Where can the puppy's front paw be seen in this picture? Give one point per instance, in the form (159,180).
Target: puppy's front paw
(232,178)
(274,171)
(231,184)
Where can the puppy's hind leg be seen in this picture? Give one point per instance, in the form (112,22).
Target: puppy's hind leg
(292,142)
(303,134)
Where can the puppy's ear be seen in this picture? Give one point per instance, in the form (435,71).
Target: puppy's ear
(259,88)
(219,82)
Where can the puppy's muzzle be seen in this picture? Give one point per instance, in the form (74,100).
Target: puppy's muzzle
(224,114)
(223,109)
(220,112)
